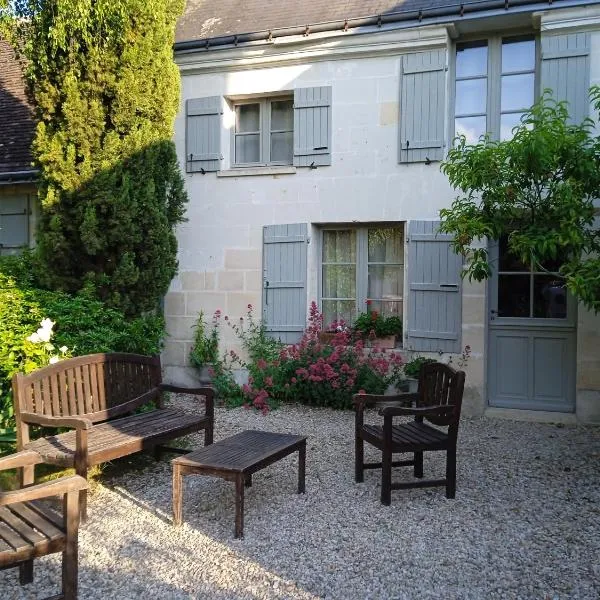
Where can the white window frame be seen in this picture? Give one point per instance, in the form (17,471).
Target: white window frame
(494,78)
(362,262)
(264,131)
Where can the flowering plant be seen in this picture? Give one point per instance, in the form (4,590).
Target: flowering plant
(320,374)
(205,349)
(372,323)
(39,349)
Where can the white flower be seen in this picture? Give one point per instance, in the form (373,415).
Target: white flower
(34,338)
(63,349)
(53,360)
(47,324)
(44,334)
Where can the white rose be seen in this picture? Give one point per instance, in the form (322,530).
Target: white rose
(35,338)
(44,334)
(47,324)
(63,349)
(53,360)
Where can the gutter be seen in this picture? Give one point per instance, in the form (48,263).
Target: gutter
(14,177)
(414,17)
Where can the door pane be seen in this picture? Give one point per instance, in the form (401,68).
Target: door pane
(282,115)
(517,91)
(339,281)
(339,246)
(549,297)
(247,148)
(513,296)
(281,147)
(247,118)
(471,60)
(337,310)
(471,127)
(385,245)
(518,56)
(508,261)
(471,96)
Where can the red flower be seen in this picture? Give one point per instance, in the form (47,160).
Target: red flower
(362,392)
(368,302)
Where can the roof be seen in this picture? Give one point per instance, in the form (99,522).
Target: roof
(209,19)
(17,122)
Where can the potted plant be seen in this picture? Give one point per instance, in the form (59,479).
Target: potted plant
(412,368)
(377,330)
(205,349)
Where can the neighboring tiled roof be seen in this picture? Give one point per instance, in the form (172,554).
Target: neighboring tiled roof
(204,19)
(16,114)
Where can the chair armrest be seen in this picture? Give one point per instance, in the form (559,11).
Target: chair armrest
(58,487)
(25,458)
(397,411)
(372,399)
(48,421)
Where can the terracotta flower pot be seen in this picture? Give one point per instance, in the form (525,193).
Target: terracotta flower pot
(387,342)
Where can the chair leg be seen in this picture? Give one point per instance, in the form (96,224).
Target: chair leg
(386,477)
(359,459)
(26,572)
(419,465)
(83,494)
(208,435)
(70,555)
(451,473)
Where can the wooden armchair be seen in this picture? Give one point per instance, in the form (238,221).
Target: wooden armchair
(438,400)
(29,529)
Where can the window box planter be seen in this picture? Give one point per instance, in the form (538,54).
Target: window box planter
(326,337)
(387,342)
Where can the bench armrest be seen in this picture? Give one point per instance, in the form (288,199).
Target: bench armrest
(25,458)
(178,389)
(60,486)
(397,411)
(48,421)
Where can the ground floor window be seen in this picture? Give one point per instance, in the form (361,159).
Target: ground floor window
(360,264)
(14,223)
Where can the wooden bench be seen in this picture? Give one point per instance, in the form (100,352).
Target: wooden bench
(30,528)
(96,396)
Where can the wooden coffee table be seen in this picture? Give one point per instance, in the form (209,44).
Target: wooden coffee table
(236,459)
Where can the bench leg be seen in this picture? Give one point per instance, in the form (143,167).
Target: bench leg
(239,505)
(302,468)
(26,572)
(27,476)
(158,452)
(418,465)
(70,556)
(248,481)
(177,496)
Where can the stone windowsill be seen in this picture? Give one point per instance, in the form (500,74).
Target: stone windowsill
(244,172)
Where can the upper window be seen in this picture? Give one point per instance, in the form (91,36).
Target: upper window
(264,132)
(359,265)
(495,85)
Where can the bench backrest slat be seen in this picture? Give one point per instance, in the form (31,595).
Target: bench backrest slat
(97,386)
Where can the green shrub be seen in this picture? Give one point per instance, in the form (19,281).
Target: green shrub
(205,350)
(83,325)
(413,367)
(373,322)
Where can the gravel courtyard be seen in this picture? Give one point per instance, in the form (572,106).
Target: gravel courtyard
(525,523)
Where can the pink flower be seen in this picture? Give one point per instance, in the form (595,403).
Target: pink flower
(249,306)
(368,303)
(361,392)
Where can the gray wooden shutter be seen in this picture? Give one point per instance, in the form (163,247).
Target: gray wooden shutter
(422,106)
(203,134)
(434,287)
(312,126)
(14,223)
(566,71)
(284,281)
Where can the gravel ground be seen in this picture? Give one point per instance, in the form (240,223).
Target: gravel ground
(525,523)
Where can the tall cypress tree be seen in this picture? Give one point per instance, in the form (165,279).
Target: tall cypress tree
(106,90)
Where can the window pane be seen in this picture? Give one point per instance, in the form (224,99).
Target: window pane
(385,245)
(385,282)
(471,127)
(513,295)
(14,230)
(518,56)
(388,308)
(471,60)
(338,310)
(549,297)
(247,117)
(517,91)
(339,246)
(471,96)
(282,147)
(282,115)
(247,148)
(339,281)
(507,123)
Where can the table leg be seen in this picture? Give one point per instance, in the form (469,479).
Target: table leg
(177,496)
(239,505)
(302,468)
(248,481)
